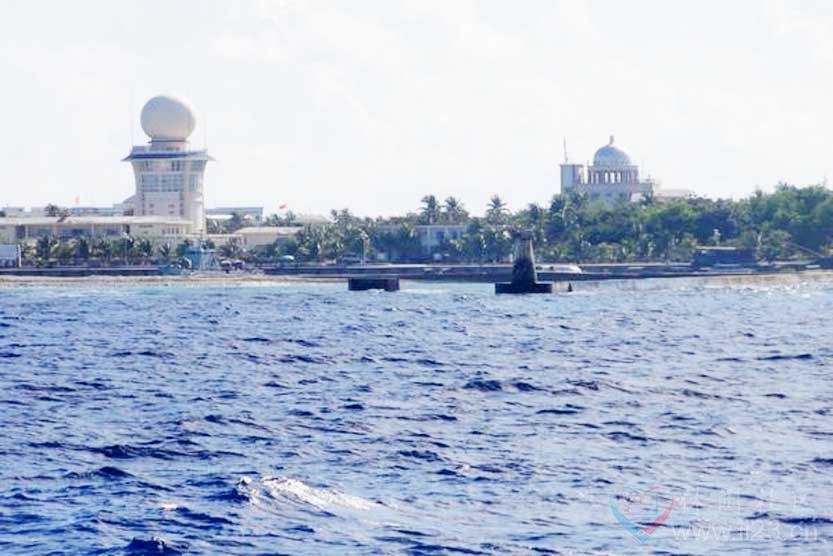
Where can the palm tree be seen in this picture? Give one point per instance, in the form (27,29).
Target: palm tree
(125,248)
(231,249)
(63,251)
(455,212)
(81,249)
(165,252)
(143,249)
(498,242)
(27,251)
(102,249)
(474,241)
(430,212)
(534,218)
(52,210)
(44,249)
(407,241)
(234,223)
(384,240)
(496,212)
(277,220)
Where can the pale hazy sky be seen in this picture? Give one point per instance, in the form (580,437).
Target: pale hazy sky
(372,104)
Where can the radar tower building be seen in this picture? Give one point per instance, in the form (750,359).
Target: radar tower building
(169,175)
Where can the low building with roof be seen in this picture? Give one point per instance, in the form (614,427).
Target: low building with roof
(18,230)
(257,236)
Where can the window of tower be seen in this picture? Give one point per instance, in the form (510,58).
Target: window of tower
(169,183)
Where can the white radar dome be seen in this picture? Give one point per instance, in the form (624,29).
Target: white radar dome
(167,118)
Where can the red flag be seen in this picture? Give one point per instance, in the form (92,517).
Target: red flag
(282,206)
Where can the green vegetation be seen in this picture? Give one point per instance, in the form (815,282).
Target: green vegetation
(48,251)
(791,222)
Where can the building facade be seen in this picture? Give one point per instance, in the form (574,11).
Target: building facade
(611,178)
(20,230)
(258,236)
(10,256)
(168,174)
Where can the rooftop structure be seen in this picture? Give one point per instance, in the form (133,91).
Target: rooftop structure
(254,214)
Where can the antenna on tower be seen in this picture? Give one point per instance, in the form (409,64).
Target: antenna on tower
(130,119)
(204,131)
(566,160)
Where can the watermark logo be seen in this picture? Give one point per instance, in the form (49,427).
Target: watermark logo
(641,511)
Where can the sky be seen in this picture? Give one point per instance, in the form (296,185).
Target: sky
(370,105)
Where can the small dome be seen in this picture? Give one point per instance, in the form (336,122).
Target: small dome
(610,156)
(167,118)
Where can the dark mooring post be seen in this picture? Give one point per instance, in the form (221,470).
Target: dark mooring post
(524,276)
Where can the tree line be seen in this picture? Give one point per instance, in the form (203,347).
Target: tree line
(788,223)
(124,250)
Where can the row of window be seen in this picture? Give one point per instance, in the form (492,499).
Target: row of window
(171,165)
(66,233)
(439,235)
(166,183)
(161,182)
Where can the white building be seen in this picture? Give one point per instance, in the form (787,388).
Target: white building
(611,178)
(19,230)
(169,175)
(258,236)
(9,255)
(168,203)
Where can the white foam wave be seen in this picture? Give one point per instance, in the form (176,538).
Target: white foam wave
(321,498)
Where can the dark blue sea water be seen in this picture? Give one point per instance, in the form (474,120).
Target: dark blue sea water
(673,417)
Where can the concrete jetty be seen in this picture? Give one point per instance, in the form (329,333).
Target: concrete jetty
(362,283)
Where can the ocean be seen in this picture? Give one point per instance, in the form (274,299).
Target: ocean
(670,417)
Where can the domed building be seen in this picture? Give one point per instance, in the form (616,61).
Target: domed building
(612,177)
(169,175)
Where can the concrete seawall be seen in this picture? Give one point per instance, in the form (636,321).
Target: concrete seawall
(80,271)
(489,273)
(501,273)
